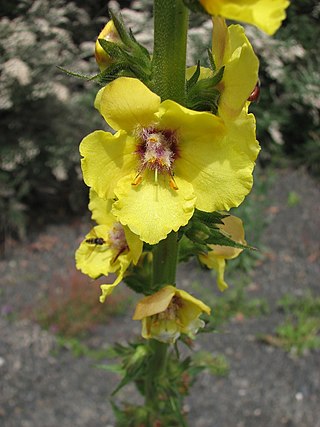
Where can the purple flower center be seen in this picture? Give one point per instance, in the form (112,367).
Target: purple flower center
(157,150)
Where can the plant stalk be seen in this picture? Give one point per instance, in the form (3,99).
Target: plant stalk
(169,65)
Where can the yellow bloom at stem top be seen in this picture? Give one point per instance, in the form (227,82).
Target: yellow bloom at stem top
(165,160)
(169,313)
(108,247)
(267,15)
(217,256)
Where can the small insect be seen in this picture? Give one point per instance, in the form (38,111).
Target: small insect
(95,241)
(255,94)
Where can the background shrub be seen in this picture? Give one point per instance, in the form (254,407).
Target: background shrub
(43,113)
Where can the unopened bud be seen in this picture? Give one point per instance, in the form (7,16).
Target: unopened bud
(110,34)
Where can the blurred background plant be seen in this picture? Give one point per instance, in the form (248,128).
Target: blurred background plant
(39,162)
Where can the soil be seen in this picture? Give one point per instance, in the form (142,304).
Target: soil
(44,385)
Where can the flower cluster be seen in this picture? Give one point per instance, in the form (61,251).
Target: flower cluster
(165,161)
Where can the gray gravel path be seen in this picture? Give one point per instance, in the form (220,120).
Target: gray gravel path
(266,387)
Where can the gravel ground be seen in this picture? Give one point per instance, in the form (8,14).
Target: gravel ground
(266,387)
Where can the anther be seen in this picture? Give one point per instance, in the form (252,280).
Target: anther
(173,184)
(137,180)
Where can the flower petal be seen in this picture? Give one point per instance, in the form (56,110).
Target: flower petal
(218,264)
(265,14)
(220,41)
(97,101)
(124,262)
(240,73)
(107,290)
(221,170)
(191,126)
(233,226)
(106,159)
(154,304)
(165,331)
(127,103)
(101,209)
(95,260)
(192,301)
(152,210)
(134,243)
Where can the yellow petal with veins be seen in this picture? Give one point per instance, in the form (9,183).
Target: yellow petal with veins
(264,14)
(106,159)
(153,209)
(126,103)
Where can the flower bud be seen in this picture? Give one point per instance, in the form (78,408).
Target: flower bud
(110,34)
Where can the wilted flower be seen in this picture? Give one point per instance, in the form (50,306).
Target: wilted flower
(217,256)
(165,160)
(169,313)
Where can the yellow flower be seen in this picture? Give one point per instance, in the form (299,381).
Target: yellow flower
(165,160)
(168,313)
(108,247)
(264,14)
(216,258)
(232,49)
(110,34)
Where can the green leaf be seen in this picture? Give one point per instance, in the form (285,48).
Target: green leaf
(210,217)
(112,49)
(120,27)
(116,369)
(217,237)
(194,78)
(211,60)
(78,75)
(131,376)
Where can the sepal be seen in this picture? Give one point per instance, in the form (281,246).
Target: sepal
(127,57)
(202,94)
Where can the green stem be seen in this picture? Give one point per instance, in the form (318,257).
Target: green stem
(169,53)
(169,65)
(156,368)
(165,256)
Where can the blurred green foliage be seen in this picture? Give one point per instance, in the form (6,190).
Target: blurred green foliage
(299,332)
